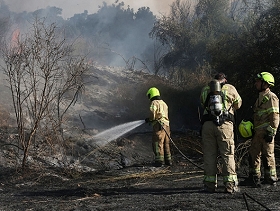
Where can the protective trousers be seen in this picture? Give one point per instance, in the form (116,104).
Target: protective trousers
(161,143)
(262,152)
(218,138)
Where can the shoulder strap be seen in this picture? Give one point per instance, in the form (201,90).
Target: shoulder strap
(207,100)
(223,99)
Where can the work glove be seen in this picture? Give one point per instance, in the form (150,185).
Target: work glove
(147,120)
(268,137)
(270,133)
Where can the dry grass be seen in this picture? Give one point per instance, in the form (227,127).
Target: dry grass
(241,151)
(145,175)
(190,144)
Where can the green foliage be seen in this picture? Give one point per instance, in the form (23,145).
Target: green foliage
(240,39)
(212,17)
(190,34)
(251,52)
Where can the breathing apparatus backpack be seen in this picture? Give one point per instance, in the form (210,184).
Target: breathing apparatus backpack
(214,104)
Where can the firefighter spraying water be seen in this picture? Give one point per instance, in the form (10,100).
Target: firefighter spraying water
(161,131)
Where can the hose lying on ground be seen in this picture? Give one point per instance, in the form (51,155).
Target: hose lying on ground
(244,196)
(180,150)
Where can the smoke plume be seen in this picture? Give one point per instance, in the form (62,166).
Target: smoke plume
(69,8)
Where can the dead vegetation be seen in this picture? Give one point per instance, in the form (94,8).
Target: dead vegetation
(133,187)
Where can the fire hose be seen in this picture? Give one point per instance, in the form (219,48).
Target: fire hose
(179,149)
(244,196)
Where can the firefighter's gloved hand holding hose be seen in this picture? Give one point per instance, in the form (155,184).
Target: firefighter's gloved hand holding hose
(147,120)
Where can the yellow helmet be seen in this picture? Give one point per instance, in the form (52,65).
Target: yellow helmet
(246,128)
(267,77)
(152,92)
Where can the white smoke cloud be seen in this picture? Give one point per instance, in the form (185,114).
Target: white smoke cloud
(71,7)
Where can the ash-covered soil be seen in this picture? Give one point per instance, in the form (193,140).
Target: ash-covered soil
(131,185)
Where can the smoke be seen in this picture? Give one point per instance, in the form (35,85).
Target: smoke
(69,8)
(156,6)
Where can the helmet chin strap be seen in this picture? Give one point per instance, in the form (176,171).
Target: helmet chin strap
(262,88)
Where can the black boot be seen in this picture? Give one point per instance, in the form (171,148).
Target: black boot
(257,182)
(270,181)
(158,164)
(168,162)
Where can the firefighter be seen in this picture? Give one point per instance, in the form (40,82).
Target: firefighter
(265,121)
(219,101)
(161,130)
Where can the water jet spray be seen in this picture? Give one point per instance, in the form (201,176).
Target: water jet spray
(103,138)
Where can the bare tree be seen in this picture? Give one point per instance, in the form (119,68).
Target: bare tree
(44,78)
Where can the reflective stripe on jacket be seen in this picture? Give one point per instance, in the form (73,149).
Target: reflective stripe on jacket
(266,112)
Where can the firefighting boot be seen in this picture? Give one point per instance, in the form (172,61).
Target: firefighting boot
(257,182)
(231,187)
(270,181)
(168,162)
(158,164)
(209,187)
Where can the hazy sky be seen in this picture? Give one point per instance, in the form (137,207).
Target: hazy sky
(70,7)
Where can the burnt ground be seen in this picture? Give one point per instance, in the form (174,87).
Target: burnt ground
(136,185)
